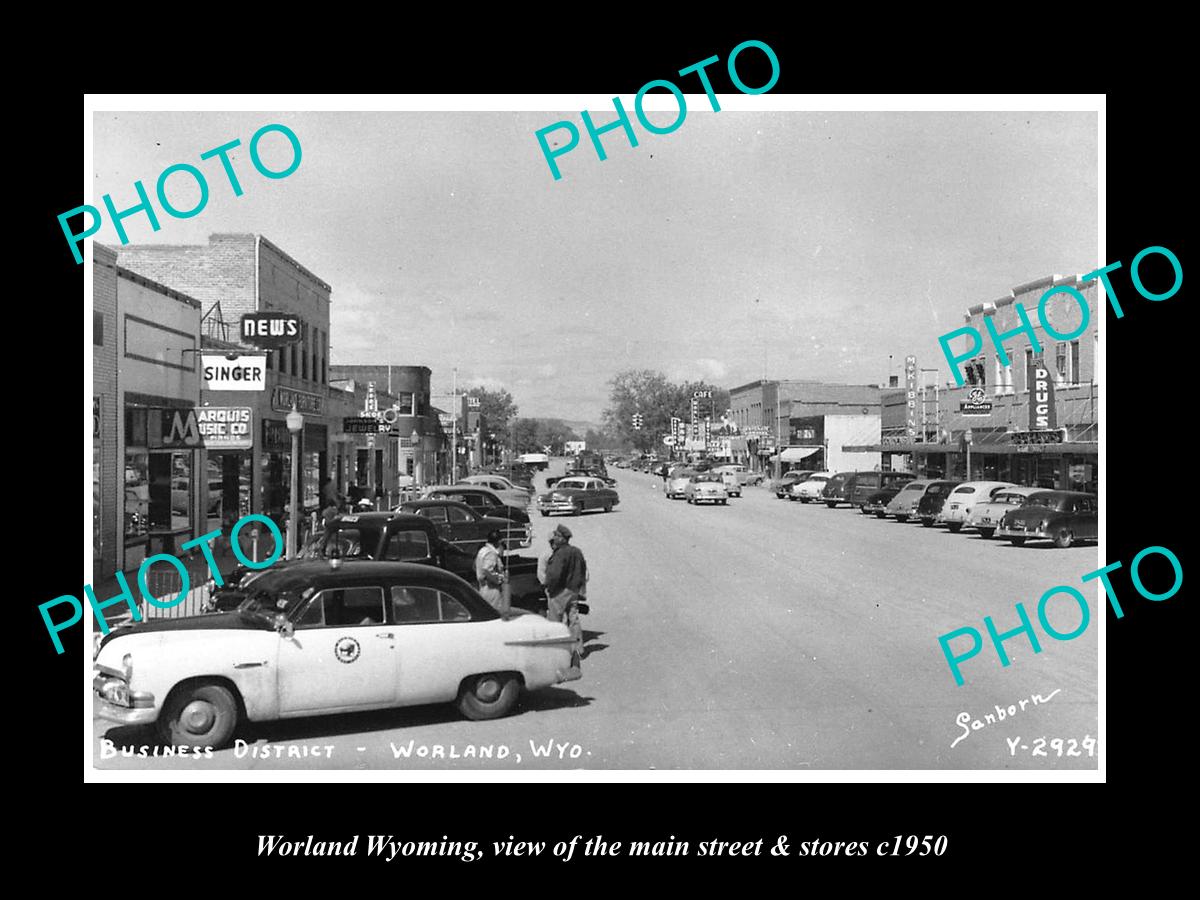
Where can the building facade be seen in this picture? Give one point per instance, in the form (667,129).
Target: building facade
(147,457)
(416,439)
(782,415)
(1031,419)
(232,275)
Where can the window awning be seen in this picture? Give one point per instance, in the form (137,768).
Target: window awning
(795,454)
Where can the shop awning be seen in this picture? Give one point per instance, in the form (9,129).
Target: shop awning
(987,448)
(795,454)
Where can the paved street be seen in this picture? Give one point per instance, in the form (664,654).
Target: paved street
(762,634)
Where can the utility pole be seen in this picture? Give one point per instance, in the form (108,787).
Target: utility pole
(453,427)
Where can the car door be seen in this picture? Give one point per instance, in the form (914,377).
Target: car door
(438,516)
(1087,523)
(341,655)
(467,531)
(435,643)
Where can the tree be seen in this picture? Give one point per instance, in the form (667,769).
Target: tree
(657,399)
(534,435)
(497,410)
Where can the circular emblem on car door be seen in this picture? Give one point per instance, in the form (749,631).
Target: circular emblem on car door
(346,650)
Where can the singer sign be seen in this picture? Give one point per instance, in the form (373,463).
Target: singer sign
(1041,397)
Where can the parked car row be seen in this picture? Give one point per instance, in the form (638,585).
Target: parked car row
(991,508)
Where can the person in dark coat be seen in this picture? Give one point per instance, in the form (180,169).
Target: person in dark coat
(566,579)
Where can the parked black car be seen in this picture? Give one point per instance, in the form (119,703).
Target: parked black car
(464,528)
(1063,517)
(483,500)
(392,536)
(933,500)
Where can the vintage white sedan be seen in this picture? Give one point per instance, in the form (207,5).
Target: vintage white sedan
(327,637)
(965,497)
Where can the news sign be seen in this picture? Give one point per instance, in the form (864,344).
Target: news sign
(269,330)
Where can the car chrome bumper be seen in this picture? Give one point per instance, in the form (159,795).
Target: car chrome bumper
(558,506)
(123,715)
(1035,534)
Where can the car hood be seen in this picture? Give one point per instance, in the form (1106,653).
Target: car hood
(230,621)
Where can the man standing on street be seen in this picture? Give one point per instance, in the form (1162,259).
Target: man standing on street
(490,577)
(566,577)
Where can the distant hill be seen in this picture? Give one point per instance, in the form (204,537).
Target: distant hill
(580,427)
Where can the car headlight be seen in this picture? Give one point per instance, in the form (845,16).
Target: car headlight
(116,692)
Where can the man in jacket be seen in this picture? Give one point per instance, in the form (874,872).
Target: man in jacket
(490,577)
(566,577)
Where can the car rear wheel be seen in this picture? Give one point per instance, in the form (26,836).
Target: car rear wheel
(955,527)
(900,518)
(928,523)
(608,507)
(544,513)
(577,509)
(488,696)
(831,504)
(724,502)
(881,515)
(1063,539)
(1017,541)
(986,533)
(203,714)
(805,499)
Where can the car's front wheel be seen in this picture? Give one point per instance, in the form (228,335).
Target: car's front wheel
(1017,541)
(488,696)
(986,533)
(202,714)
(1063,539)
(955,527)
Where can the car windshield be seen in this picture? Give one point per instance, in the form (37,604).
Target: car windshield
(353,542)
(699,479)
(915,486)
(682,473)
(964,490)
(267,602)
(571,483)
(1049,501)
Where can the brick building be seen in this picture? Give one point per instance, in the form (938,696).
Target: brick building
(789,414)
(416,444)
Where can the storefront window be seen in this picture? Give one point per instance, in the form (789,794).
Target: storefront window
(310,484)
(137,495)
(228,488)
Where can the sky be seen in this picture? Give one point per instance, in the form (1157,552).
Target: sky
(795,245)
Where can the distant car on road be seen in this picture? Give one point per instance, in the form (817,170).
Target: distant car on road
(783,485)
(313,639)
(733,487)
(677,481)
(537,461)
(706,487)
(576,494)
(963,499)
(865,485)
(744,475)
(1063,517)
(904,504)
(985,516)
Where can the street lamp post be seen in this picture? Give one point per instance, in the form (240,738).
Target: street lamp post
(295,424)
(418,463)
